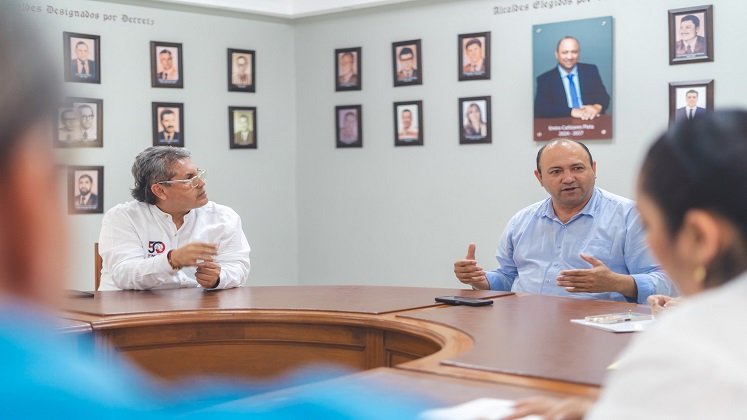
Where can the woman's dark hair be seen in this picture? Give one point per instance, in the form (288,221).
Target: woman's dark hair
(702,164)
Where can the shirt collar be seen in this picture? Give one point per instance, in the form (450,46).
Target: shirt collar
(590,209)
(563,73)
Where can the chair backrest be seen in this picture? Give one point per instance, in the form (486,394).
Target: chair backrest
(97,264)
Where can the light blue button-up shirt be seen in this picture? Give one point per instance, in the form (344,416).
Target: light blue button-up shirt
(536,246)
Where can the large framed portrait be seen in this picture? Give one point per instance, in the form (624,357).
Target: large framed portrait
(474,117)
(85,187)
(82,57)
(242,127)
(349,127)
(241,74)
(407,65)
(572,69)
(166,65)
(474,56)
(80,123)
(348,74)
(408,123)
(168,124)
(690,100)
(691,35)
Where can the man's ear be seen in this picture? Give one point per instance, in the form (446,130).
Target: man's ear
(157,190)
(538,175)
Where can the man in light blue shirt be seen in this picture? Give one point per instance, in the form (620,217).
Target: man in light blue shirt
(548,246)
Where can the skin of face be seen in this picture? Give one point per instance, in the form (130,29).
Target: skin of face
(474,114)
(688,31)
(81,52)
(567,175)
(406,119)
(567,54)
(406,61)
(69,120)
(243,123)
(692,99)
(167,121)
(474,53)
(181,197)
(346,63)
(241,63)
(86,118)
(84,185)
(166,61)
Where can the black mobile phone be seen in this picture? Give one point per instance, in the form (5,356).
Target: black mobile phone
(467,301)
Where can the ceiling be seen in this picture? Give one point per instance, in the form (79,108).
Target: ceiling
(290,9)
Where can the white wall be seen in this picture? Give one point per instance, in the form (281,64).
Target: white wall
(259,184)
(386,215)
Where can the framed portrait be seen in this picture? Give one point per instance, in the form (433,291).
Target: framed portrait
(474,118)
(690,100)
(80,123)
(241,74)
(572,68)
(348,126)
(691,35)
(168,124)
(85,188)
(166,65)
(82,57)
(474,56)
(242,127)
(408,123)
(407,65)
(348,74)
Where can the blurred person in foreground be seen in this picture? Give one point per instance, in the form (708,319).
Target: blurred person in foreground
(48,375)
(692,364)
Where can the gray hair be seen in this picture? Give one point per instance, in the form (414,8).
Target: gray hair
(152,166)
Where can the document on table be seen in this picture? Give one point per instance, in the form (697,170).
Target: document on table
(479,409)
(618,327)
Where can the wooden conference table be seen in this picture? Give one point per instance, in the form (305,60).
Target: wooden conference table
(519,346)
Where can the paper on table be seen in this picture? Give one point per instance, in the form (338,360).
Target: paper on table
(630,326)
(479,409)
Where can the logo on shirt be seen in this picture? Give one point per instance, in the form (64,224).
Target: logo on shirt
(156,247)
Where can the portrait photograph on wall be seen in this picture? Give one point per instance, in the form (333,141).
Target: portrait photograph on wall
(166,65)
(691,35)
(82,57)
(348,75)
(408,123)
(80,123)
(348,126)
(241,65)
(474,117)
(407,65)
(572,71)
(242,127)
(690,100)
(85,186)
(168,124)
(474,56)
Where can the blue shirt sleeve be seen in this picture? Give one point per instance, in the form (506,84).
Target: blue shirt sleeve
(502,278)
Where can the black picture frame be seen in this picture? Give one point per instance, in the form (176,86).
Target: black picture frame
(236,137)
(238,80)
(407,71)
(468,133)
(162,54)
(352,80)
(349,130)
(697,21)
(405,132)
(159,134)
(87,48)
(473,43)
(681,92)
(77,177)
(80,123)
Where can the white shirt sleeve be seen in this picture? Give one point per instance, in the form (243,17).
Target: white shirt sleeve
(233,255)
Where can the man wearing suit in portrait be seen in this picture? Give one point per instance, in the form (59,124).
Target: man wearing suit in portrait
(81,68)
(167,73)
(168,133)
(571,89)
(690,43)
(475,65)
(242,76)
(347,75)
(85,198)
(691,110)
(244,134)
(407,61)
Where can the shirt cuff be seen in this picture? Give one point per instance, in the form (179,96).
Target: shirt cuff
(164,265)
(492,277)
(645,288)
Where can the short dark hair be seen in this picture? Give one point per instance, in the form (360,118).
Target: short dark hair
(699,164)
(542,149)
(557,47)
(404,51)
(473,41)
(152,166)
(166,111)
(165,51)
(80,43)
(691,91)
(692,18)
(85,176)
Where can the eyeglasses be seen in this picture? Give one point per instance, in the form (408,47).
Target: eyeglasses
(193,182)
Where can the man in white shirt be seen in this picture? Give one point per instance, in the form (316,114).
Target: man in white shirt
(171,236)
